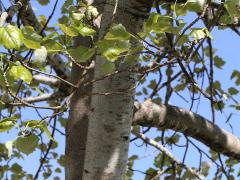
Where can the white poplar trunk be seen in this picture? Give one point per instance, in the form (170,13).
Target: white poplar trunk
(111,116)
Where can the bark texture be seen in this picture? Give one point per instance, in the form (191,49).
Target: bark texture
(77,127)
(111,116)
(189,123)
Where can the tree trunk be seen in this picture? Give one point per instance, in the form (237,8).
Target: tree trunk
(77,126)
(111,115)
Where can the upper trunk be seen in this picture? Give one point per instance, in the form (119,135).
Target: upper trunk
(111,115)
(76,132)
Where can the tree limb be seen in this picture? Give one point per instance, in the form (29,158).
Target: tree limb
(178,119)
(46,80)
(168,154)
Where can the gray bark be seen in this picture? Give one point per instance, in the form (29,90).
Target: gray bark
(77,126)
(110,117)
(189,123)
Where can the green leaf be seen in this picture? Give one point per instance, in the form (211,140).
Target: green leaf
(231,162)
(11,37)
(151,173)
(52,46)
(225,19)
(7,123)
(200,33)
(58,170)
(208,34)
(81,53)
(197,34)
(40,54)
(117,32)
(62,121)
(20,72)
(43,2)
(31,39)
(108,67)
(173,139)
(45,129)
(77,16)
(179,9)
(153,84)
(214,155)
(232,7)
(51,36)
(91,12)
(112,49)
(152,19)
(218,62)
(180,87)
(136,129)
(235,73)
(69,30)
(86,31)
(16,168)
(183,39)
(27,144)
(133,157)
(233,91)
(198,2)
(133,54)
(161,24)
(61,160)
(39,124)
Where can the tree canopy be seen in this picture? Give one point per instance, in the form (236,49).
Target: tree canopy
(91,50)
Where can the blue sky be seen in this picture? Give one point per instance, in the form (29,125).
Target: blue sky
(227,45)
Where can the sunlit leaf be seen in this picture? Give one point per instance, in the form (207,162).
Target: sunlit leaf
(41,125)
(7,123)
(112,49)
(86,31)
(69,30)
(117,32)
(11,37)
(31,39)
(198,33)
(91,12)
(152,19)
(20,72)
(45,129)
(81,53)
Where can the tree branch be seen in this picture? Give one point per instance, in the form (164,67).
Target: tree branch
(178,119)
(168,154)
(46,80)
(43,97)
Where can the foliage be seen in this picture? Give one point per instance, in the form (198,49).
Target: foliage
(169,44)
